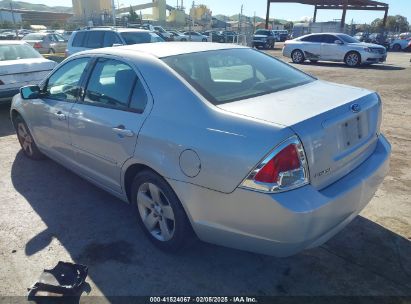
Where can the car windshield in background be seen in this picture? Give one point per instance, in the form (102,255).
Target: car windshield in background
(33,37)
(229,75)
(262,32)
(348,39)
(17,51)
(140,37)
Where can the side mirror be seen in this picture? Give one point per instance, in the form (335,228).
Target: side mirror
(30,92)
(338,42)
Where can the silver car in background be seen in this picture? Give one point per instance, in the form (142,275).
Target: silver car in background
(334,47)
(214,140)
(46,43)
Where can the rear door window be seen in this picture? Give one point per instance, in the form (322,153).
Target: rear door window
(330,39)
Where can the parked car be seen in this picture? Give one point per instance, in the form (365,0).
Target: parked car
(20,65)
(220,140)
(400,44)
(94,38)
(177,36)
(362,36)
(380,39)
(196,36)
(229,36)
(164,34)
(281,35)
(214,36)
(264,39)
(334,47)
(8,35)
(46,43)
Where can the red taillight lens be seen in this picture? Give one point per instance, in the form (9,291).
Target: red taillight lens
(284,169)
(286,160)
(37,45)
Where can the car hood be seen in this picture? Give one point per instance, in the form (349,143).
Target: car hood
(364,44)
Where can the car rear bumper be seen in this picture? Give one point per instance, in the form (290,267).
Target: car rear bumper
(7,94)
(285,223)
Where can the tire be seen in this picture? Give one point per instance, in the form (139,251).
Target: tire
(26,140)
(352,59)
(184,39)
(396,47)
(52,51)
(273,45)
(297,56)
(159,212)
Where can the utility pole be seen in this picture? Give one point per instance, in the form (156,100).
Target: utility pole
(113,6)
(14,20)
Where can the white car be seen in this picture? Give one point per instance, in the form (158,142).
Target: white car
(196,36)
(334,47)
(20,65)
(177,36)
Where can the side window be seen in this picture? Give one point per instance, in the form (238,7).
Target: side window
(111,84)
(111,38)
(94,39)
(139,98)
(64,83)
(78,40)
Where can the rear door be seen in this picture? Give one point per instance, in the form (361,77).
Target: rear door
(105,123)
(312,47)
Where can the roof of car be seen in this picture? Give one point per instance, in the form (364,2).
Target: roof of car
(116,29)
(166,49)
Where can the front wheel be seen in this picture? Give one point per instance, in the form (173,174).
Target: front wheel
(396,47)
(26,140)
(297,56)
(159,212)
(352,59)
(52,52)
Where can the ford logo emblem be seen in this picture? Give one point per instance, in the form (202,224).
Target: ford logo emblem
(355,108)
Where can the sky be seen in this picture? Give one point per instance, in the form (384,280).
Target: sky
(287,11)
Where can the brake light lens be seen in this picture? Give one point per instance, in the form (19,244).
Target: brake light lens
(285,168)
(37,45)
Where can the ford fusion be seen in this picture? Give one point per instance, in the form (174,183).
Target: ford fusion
(216,141)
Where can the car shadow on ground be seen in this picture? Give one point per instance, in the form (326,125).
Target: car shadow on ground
(6,127)
(100,231)
(382,67)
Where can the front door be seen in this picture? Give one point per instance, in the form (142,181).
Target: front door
(105,124)
(331,50)
(49,114)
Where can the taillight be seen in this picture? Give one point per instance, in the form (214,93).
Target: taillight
(37,45)
(285,168)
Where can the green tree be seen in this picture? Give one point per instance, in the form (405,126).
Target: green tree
(289,26)
(133,17)
(395,23)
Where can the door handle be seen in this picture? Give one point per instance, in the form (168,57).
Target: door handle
(121,130)
(60,115)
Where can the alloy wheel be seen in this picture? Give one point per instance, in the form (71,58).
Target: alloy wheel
(298,56)
(25,138)
(352,59)
(156,212)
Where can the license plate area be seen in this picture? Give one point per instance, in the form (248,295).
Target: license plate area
(354,131)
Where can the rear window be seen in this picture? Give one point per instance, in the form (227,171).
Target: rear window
(94,39)
(33,37)
(17,51)
(140,37)
(78,40)
(262,32)
(229,75)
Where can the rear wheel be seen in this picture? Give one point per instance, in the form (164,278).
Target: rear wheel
(52,51)
(297,56)
(396,47)
(352,59)
(26,140)
(160,213)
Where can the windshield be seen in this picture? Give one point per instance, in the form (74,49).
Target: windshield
(224,76)
(262,32)
(348,39)
(33,37)
(17,51)
(140,37)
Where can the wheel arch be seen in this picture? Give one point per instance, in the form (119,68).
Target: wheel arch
(354,51)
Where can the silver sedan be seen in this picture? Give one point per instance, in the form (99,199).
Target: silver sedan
(216,141)
(334,47)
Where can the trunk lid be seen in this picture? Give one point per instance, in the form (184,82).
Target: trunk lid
(24,71)
(337,124)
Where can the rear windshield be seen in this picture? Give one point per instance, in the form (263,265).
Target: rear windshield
(140,37)
(17,51)
(224,76)
(33,37)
